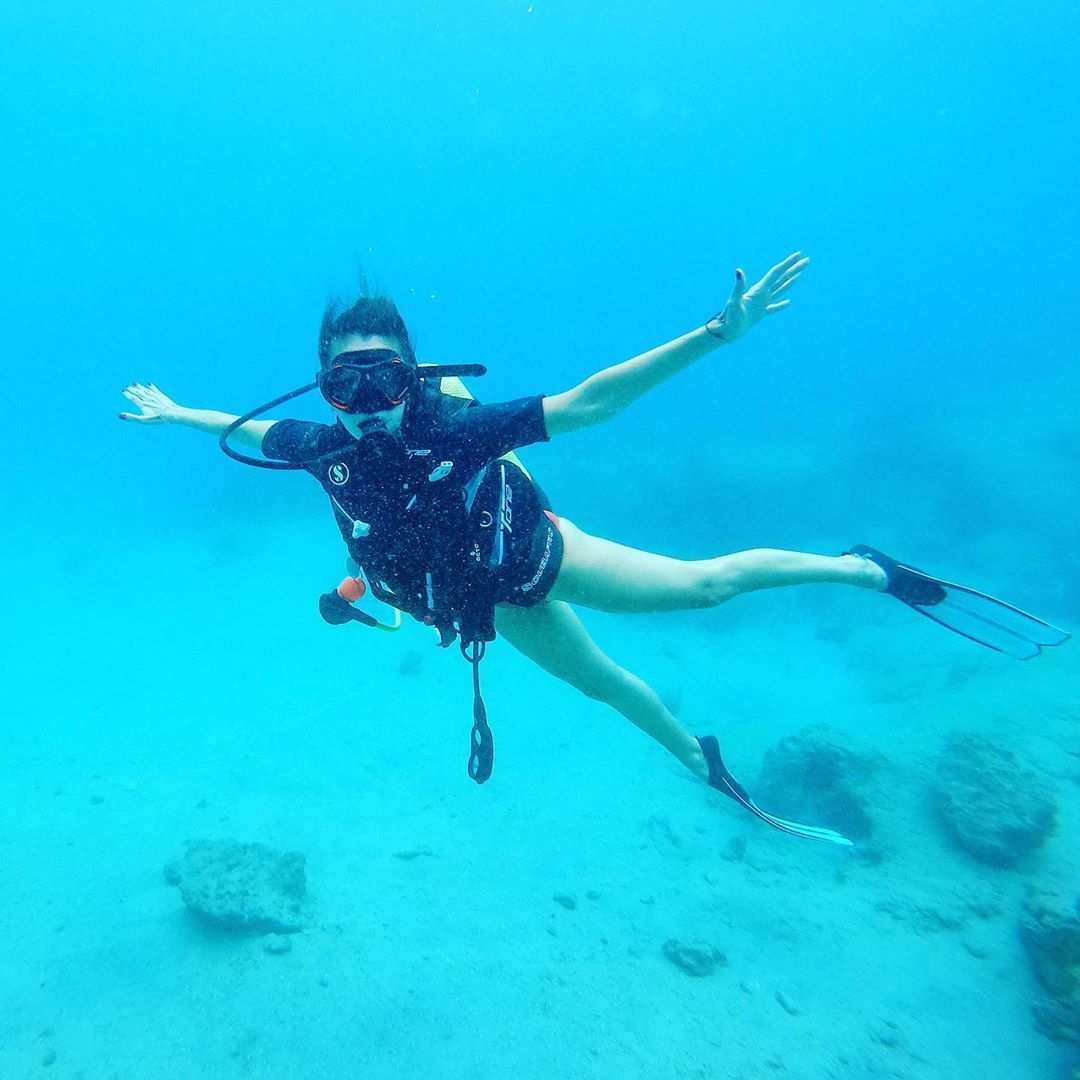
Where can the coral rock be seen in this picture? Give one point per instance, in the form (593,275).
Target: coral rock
(241,888)
(697,959)
(1050,931)
(993,806)
(813,777)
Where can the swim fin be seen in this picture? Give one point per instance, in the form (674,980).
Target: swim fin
(974,615)
(723,781)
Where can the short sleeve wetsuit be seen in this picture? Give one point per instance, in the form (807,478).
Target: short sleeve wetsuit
(405,516)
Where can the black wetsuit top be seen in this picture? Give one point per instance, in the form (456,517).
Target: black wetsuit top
(405,516)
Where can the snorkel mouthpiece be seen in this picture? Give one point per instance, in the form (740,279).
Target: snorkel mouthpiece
(373,425)
(378,445)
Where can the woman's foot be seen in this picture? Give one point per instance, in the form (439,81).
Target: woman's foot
(722,780)
(905,583)
(870,573)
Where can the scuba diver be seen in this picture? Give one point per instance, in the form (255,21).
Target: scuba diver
(443,523)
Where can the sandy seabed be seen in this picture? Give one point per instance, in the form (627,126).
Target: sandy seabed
(514,930)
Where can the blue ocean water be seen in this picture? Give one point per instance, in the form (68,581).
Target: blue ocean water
(545,188)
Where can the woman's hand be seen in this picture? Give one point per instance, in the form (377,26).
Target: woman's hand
(154,406)
(746,307)
(158,408)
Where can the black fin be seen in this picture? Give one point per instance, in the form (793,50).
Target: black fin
(978,617)
(723,781)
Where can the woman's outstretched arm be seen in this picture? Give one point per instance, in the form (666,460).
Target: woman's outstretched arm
(605,394)
(158,408)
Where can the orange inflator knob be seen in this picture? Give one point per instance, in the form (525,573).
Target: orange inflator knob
(351,589)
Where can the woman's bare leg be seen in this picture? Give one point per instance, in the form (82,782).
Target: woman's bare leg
(552,636)
(599,574)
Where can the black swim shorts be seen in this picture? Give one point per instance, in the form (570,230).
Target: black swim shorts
(536,547)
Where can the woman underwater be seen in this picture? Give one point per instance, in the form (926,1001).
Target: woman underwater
(447,529)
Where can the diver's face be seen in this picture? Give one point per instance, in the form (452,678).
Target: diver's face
(355,343)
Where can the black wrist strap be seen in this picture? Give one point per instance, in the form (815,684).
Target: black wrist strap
(718,333)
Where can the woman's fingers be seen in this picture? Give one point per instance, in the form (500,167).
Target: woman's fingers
(785,284)
(149,399)
(790,268)
(749,305)
(794,270)
(791,272)
(781,268)
(739,289)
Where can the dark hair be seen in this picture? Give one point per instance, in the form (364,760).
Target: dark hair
(372,315)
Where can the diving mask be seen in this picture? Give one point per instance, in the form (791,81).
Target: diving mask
(346,384)
(367,381)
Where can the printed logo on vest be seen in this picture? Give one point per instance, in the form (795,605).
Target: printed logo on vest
(338,473)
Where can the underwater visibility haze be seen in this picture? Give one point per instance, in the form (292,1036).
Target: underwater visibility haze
(240,840)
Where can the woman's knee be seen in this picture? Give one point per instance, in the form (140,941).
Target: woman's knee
(715,581)
(602,682)
(722,578)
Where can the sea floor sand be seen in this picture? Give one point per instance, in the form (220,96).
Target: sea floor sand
(515,929)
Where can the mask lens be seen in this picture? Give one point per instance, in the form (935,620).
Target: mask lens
(394,379)
(341,387)
(371,380)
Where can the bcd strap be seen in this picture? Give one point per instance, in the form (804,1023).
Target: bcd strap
(482,745)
